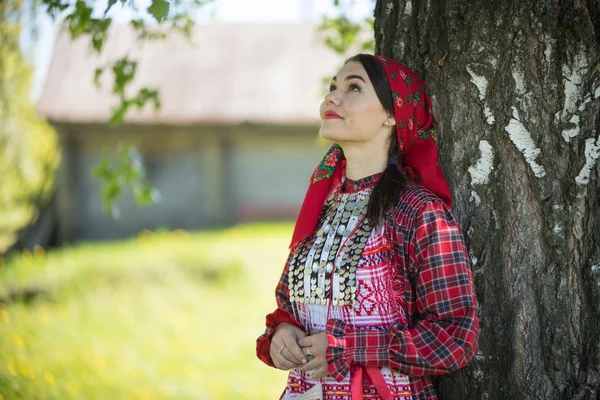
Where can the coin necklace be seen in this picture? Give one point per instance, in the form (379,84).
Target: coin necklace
(325,271)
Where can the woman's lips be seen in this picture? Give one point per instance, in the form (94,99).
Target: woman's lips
(331,115)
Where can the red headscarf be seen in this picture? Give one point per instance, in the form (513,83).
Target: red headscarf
(417,138)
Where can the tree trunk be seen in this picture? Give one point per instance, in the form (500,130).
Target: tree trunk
(517,87)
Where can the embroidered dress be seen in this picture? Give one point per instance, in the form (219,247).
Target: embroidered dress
(395,300)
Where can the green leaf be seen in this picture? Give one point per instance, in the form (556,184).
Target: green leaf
(102,170)
(124,72)
(109,6)
(55,7)
(145,194)
(159,10)
(111,190)
(119,113)
(97,74)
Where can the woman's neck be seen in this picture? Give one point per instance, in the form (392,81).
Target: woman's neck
(363,161)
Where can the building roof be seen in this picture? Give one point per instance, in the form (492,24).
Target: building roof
(229,74)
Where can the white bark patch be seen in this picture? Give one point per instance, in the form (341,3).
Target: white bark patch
(480,172)
(408,8)
(548,53)
(592,153)
(584,104)
(597,92)
(572,84)
(481,83)
(475,197)
(489,117)
(389,8)
(521,137)
(572,132)
(519,82)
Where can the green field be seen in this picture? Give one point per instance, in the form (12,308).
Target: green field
(166,315)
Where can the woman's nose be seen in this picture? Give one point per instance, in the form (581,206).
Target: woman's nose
(332,98)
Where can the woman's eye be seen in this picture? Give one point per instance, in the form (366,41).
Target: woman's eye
(352,88)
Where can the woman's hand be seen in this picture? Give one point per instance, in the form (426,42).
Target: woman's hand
(315,345)
(284,351)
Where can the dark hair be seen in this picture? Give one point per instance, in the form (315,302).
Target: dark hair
(393,182)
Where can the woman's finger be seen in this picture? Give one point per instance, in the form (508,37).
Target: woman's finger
(306,341)
(292,358)
(293,352)
(280,361)
(283,363)
(316,363)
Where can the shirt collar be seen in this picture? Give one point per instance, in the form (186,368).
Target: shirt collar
(350,185)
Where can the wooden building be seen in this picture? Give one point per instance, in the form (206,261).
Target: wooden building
(236,137)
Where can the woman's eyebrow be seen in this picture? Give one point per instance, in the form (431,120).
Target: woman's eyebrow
(350,77)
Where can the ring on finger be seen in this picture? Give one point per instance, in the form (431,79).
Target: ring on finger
(308,353)
(279,350)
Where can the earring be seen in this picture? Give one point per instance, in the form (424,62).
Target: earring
(386,123)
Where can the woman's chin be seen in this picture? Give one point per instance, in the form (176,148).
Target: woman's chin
(332,135)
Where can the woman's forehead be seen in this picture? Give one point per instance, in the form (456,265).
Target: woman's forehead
(352,68)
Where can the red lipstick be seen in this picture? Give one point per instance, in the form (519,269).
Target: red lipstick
(331,115)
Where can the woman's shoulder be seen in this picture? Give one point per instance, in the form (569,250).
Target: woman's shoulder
(414,198)
(413,202)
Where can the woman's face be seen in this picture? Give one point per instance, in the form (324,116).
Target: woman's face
(351,111)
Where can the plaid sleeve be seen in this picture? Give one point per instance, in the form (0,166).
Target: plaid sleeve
(283,313)
(444,334)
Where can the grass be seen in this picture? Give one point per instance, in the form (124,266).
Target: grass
(168,315)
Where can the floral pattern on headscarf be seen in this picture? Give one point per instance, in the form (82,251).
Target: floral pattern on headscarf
(416,128)
(327,165)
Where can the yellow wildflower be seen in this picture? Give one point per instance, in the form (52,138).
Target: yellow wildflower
(49,378)
(10,365)
(27,255)
(24,371)
(4,315)
(72,388)
(38,253)
(18,341)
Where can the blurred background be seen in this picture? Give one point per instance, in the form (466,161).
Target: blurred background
(153,157)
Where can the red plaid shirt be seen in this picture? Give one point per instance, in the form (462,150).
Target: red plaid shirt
(443,329)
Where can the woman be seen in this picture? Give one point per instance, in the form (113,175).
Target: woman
(377,294)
